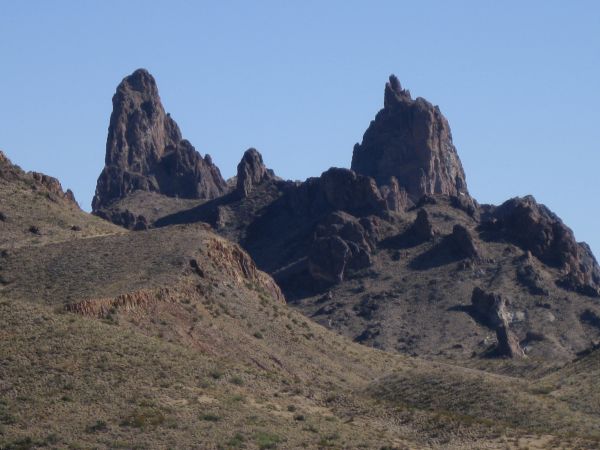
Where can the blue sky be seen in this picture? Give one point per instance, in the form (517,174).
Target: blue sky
(300,81)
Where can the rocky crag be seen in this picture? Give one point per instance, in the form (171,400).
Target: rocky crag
(390,251)
(145,151)
(410,144)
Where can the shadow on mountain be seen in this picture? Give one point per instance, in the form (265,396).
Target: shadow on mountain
(206,212)
(439,255)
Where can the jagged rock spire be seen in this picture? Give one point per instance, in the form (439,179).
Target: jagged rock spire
(410,140)
(145,149)
(394,92)
(251,171)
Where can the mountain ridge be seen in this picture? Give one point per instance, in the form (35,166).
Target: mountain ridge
(338,312)
(406,203)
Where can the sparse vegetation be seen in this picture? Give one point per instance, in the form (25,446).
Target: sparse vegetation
(142,371)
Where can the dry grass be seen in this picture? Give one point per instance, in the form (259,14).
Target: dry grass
(211,360)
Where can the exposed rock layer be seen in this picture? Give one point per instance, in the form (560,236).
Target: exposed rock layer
(38,181)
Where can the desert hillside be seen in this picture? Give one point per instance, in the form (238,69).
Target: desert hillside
(377,307)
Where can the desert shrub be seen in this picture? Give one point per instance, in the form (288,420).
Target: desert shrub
(210,417)
(237,441)
(236,380)
(100,425)
(144,418)
(216,374)
(267,440)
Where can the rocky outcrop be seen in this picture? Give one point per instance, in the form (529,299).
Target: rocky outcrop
(337,190)
(145,150)
(462,243)
(129,302)
(491,310)
(251,171)
(395,195)
(125,219)
(234,262)
(411,141)
(422,228)
(530,278)
(341,244)
(535,228)
(41,182)
(53,186)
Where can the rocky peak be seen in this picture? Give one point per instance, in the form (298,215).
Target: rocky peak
(535,228)
(251,171)
(394,92)
(410,140)
(145,150)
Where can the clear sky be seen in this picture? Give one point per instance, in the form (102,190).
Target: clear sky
(519,82)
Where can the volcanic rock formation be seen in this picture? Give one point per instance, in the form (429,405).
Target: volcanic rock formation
(338,189)
(145,150)
(491,309)
(341,244)
(537,229)
(384,252)
(251,171)
(411,141)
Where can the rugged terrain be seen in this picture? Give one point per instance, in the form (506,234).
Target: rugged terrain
(192,331)
(172,335)
(390,252)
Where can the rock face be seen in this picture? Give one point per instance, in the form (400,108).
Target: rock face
(529,277)
(145,150)
(38,181)
(463,243)
(491,309)
(422,228)
(535,228)
(338,189)
(251,171)
(125,219)
(395,196)
(54,187)
(341,244)
(411,141)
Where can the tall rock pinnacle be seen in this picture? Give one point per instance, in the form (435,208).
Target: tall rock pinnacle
(251,171)
(145,150)
(411,141)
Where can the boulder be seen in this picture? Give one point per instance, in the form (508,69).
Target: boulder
(341,244)
(491,309)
